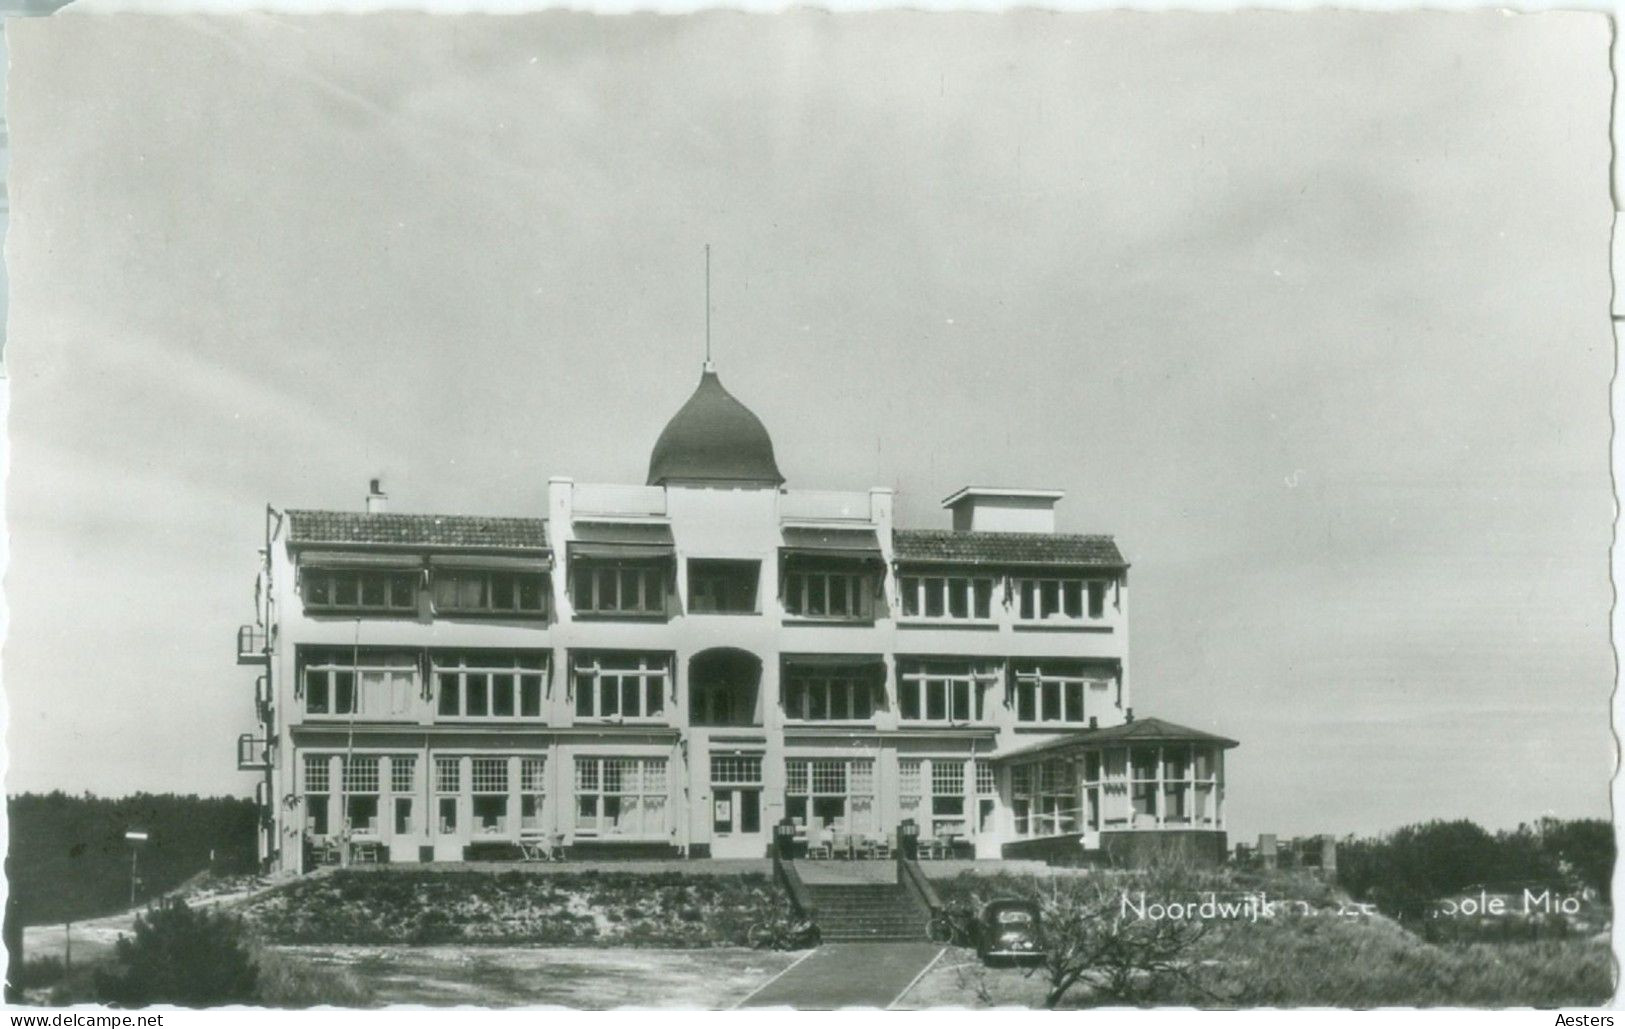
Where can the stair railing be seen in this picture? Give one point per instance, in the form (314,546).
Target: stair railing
(909,872)
(784,870)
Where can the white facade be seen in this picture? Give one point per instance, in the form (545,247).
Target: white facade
(860,674)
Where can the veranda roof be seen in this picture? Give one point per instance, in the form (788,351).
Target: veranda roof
(1141,730)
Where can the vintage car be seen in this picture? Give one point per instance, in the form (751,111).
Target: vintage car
(1009,930)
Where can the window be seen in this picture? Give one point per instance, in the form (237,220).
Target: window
(361,794)
(839,792)
(349,590)
(448,782)
(736,769)
(948,797)
(621,796)
(1045,798)
(489,781)
(1143,783)
(909,771)
(943,691)
(631,687)
(722,703)
(829,593)
(1208,787)
(1070,600)
(532,793)
(987,795)
(317,784)
(1171,784)
(600,587)
(1021,798)
(403,773)
(403,784)
(490,685)
(1061,692)
(830,694)
(1176,784)
(472,591)
(987,784)
(946,596)
(1113,787)
(723,587)
(340,682)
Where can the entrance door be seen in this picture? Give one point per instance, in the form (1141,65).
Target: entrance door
(736,822)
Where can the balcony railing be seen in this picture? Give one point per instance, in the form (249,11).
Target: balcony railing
(618,501)
(824,506)
(251,646)
(253,753)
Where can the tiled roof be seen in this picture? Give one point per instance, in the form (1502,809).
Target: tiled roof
(1006,548)
(1141,730)
(427,531)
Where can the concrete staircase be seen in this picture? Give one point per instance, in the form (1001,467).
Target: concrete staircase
(852,911)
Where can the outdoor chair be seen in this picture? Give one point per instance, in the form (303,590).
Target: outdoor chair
(534,848)
(841,844)
(817,842)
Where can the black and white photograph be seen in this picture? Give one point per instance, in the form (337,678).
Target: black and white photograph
(882,509)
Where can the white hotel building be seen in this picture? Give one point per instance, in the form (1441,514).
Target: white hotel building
(673,668)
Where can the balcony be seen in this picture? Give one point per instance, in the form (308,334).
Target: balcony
(252,646)
(821,506)
(615,501)
(253,753)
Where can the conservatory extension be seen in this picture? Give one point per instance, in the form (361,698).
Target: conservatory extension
(1106,795)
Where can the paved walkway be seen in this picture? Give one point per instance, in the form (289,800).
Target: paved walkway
(846,873)
(846,975)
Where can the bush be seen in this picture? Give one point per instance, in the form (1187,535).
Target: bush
(180,956)
(1404,872)
(38,972)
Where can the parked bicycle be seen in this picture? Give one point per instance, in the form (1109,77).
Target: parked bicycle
(954,924)
(783,932)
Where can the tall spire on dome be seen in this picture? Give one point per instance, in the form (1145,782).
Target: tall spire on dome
(708,366)
(714,439)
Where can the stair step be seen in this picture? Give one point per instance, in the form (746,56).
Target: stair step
(867,911)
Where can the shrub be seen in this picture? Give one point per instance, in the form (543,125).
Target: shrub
(290,982)
(180,956)
(38,972)
(1404,872)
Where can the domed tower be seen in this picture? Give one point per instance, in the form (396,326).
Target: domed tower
(714,440)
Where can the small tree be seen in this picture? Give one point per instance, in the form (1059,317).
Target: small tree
(1090,937)
(180,956)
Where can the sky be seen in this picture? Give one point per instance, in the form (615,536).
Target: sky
(1310,311)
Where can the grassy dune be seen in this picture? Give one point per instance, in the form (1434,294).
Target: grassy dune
(588,908)
(1321,952)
